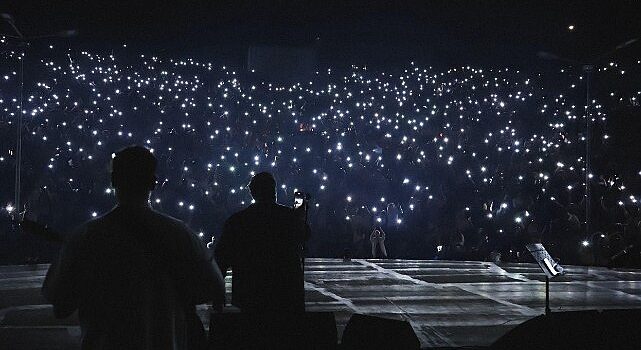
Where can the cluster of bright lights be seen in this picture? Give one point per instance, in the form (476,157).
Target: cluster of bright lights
(360,142)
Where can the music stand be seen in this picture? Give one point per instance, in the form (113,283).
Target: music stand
(549,267)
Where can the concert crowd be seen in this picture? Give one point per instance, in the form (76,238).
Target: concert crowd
(461,163)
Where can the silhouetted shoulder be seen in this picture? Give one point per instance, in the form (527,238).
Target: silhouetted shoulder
(148,221)
(274,210)
(177,231)
(284,209)
(171,223)
(238,216)
(82,232)
(285,213)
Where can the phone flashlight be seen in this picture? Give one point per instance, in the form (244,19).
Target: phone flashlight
(299,198)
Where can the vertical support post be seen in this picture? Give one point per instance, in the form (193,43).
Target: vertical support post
(18,165)
(304,250)
(587,69)
(547,295)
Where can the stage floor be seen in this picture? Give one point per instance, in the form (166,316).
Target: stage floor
(448,303)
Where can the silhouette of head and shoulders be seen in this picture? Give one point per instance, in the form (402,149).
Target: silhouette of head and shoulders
(263,190)
(133,177)
(262,244)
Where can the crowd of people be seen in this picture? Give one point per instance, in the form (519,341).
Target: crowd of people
(459,163)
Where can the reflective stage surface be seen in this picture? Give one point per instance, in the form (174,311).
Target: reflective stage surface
(448,303)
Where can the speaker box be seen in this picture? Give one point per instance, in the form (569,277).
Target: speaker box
(311,330)
(369,332)
(609,329)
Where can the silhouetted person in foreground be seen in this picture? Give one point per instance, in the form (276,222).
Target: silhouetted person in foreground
(263,245)
(134,275)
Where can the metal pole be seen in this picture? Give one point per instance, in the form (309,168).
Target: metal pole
(302,259)
(547,295)
(588,68)
(18,186)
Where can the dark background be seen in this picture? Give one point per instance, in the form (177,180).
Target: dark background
(378,33)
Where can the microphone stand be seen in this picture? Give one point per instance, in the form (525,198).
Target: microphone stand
(302,259)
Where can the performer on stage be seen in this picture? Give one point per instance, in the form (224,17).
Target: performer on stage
(262,244)
(134,275)
(377,238)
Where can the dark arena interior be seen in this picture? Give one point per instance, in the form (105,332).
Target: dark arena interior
(450,174)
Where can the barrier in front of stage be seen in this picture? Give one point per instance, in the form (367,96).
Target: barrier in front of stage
(311,330)
(609,329)
(369,332)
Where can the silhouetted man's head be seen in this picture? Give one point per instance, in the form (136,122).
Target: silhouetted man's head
(263,187)
(133,173)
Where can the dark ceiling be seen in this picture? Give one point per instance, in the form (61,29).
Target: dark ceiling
(506,32)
